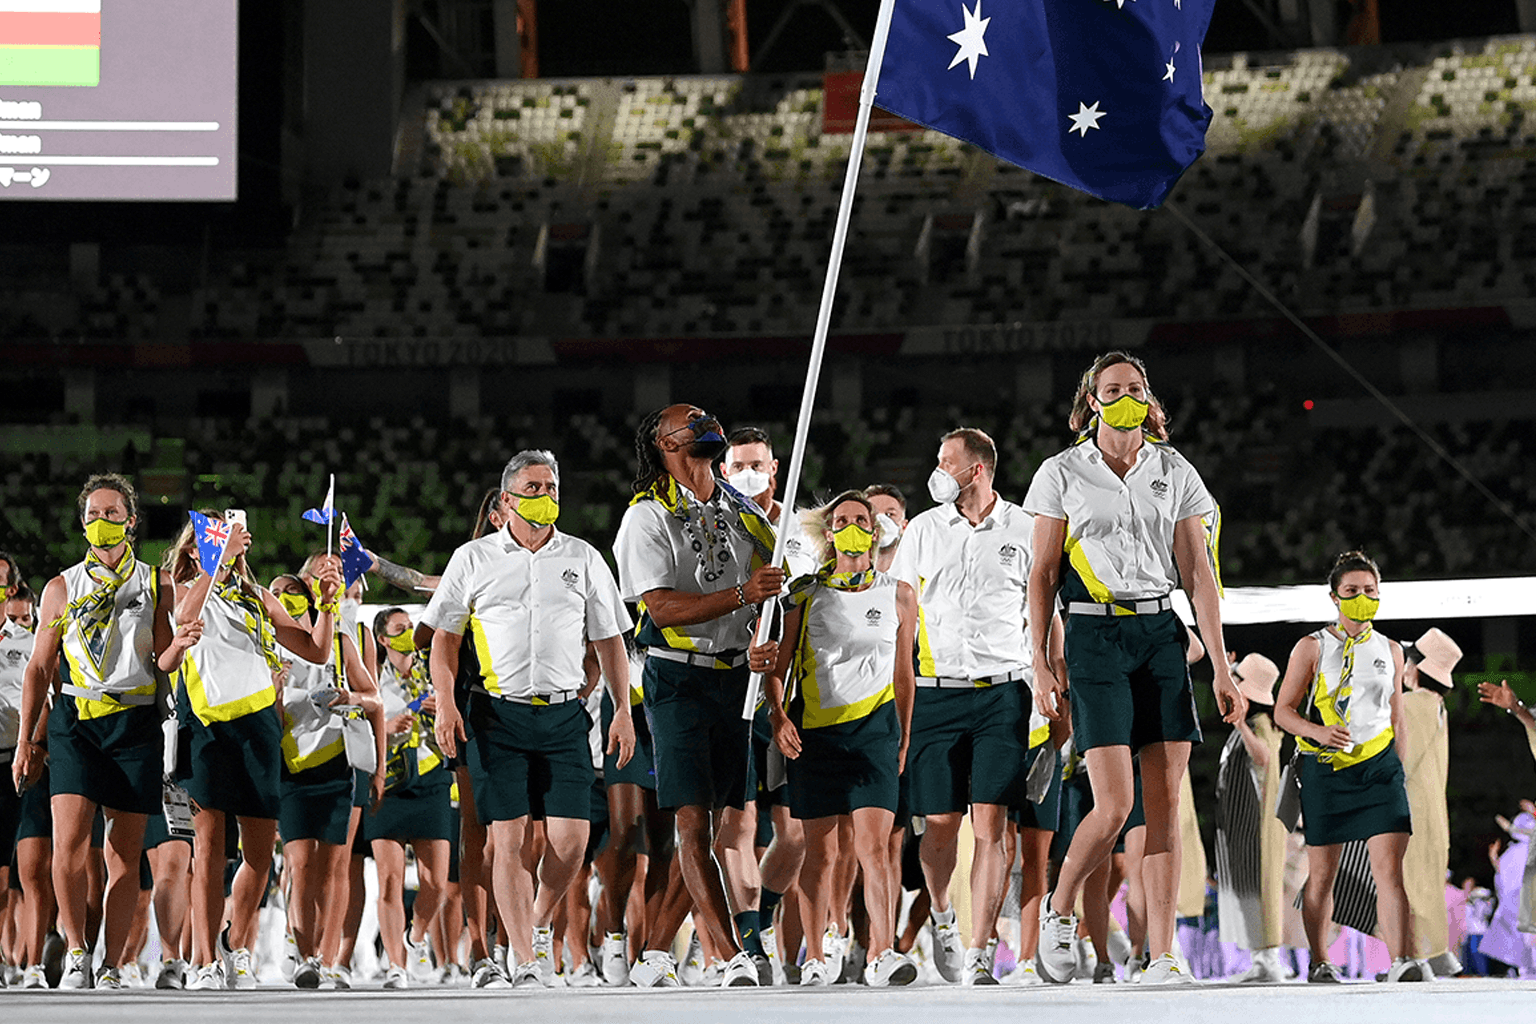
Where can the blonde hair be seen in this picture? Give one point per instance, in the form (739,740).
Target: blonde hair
(817,521)
(1083,414)
(182,563)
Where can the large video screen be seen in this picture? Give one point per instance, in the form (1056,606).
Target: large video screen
(117,99)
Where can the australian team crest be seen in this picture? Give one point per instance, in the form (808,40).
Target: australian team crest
(1007,554)
(570,578)
(872,617)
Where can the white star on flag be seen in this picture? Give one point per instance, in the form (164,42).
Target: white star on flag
(1085,118)
(1168,74)
(971,39)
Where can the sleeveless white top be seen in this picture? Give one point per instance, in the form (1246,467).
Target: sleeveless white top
(847,655)
(313,734)
(395,694)
(226,673)
(15,652)
(122,663)
(1364,707)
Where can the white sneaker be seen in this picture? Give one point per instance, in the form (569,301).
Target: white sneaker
(209,977)
(814,974)
(307,974)
(1264,971)
(978,969)
(340,977)
(834,950)
(527,975)
(691,970)
(544,954)
(1166,970)
(948,950)
(615,959)
(1407,968)
(1024,974)
(418,959)
(34,977)
(77,970)
(487,975)
(1086,958)
(1055,957)
(239,973)
(172,976)
(291,960)
(770,939)
(655,969)
(133,975)
(109,979)
(890,969)
(740,971)
(585,976)
(499,954)
(395,978)
(711,975)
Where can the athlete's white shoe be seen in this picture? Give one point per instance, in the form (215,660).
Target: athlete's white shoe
(544,954)
(740,970)
(172,976)
(209,977)
(814,974)
(978,969)
(1024,974)
(1056,957)
(487,975)
(307,974)
(238,971)
(1166,970)
(890,969)
(527,975)
(34,977)
(1407,968)
(615,959)
(585,976)
(395,978)
(655,969)
(77,970)
(1265,970)
(948,950)
(418,959)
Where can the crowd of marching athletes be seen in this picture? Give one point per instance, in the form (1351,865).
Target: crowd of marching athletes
(549,730)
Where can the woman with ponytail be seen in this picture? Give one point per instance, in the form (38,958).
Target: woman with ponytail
(1343,701)
(840,702)
(231,756)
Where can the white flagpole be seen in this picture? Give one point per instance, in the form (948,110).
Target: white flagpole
(330,512)
(824,319)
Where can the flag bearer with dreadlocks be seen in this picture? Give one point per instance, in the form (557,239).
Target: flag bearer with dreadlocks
(693,551)
(110,616)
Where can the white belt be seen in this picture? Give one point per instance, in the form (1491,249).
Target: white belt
(107,696)
(1151,606)
(537,699)
(722,661)
(956,683)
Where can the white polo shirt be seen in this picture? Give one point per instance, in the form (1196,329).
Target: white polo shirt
(529,613)
(970,583)
(708,552)
(1120,532)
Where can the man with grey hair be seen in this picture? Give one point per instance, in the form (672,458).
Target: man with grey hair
(529,599)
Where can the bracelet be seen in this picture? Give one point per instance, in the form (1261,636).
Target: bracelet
(741,596)
(1520,705)
(333,607)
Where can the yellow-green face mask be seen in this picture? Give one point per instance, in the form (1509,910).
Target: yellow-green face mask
(853,539)
(1125,413)
(293,604)
(1360,608)
(540,511)
(104,533)
(404,642)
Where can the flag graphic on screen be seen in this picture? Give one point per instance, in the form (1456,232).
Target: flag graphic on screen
(50,42)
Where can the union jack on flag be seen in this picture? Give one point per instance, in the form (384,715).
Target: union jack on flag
(212,535)
(354,559)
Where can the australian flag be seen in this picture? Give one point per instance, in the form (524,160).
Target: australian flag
(1101,95)
(211,535)
(354,559)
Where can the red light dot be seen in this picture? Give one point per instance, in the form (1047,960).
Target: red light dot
(1307,405)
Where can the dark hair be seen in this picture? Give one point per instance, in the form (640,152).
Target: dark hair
(1082,414)
(483,517)
(977,444)
(23,593)
(378,628)
(750,435)
(1351,561)
(309,595)
(110,482)
(648,456)
(890,491)
(12,578)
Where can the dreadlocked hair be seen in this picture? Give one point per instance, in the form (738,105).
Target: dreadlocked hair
(647,455)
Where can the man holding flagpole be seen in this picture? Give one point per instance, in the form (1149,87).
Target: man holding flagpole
(697,555)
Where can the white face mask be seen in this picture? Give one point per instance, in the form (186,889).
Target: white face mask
(890,533)
(942,487)
(750,482)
